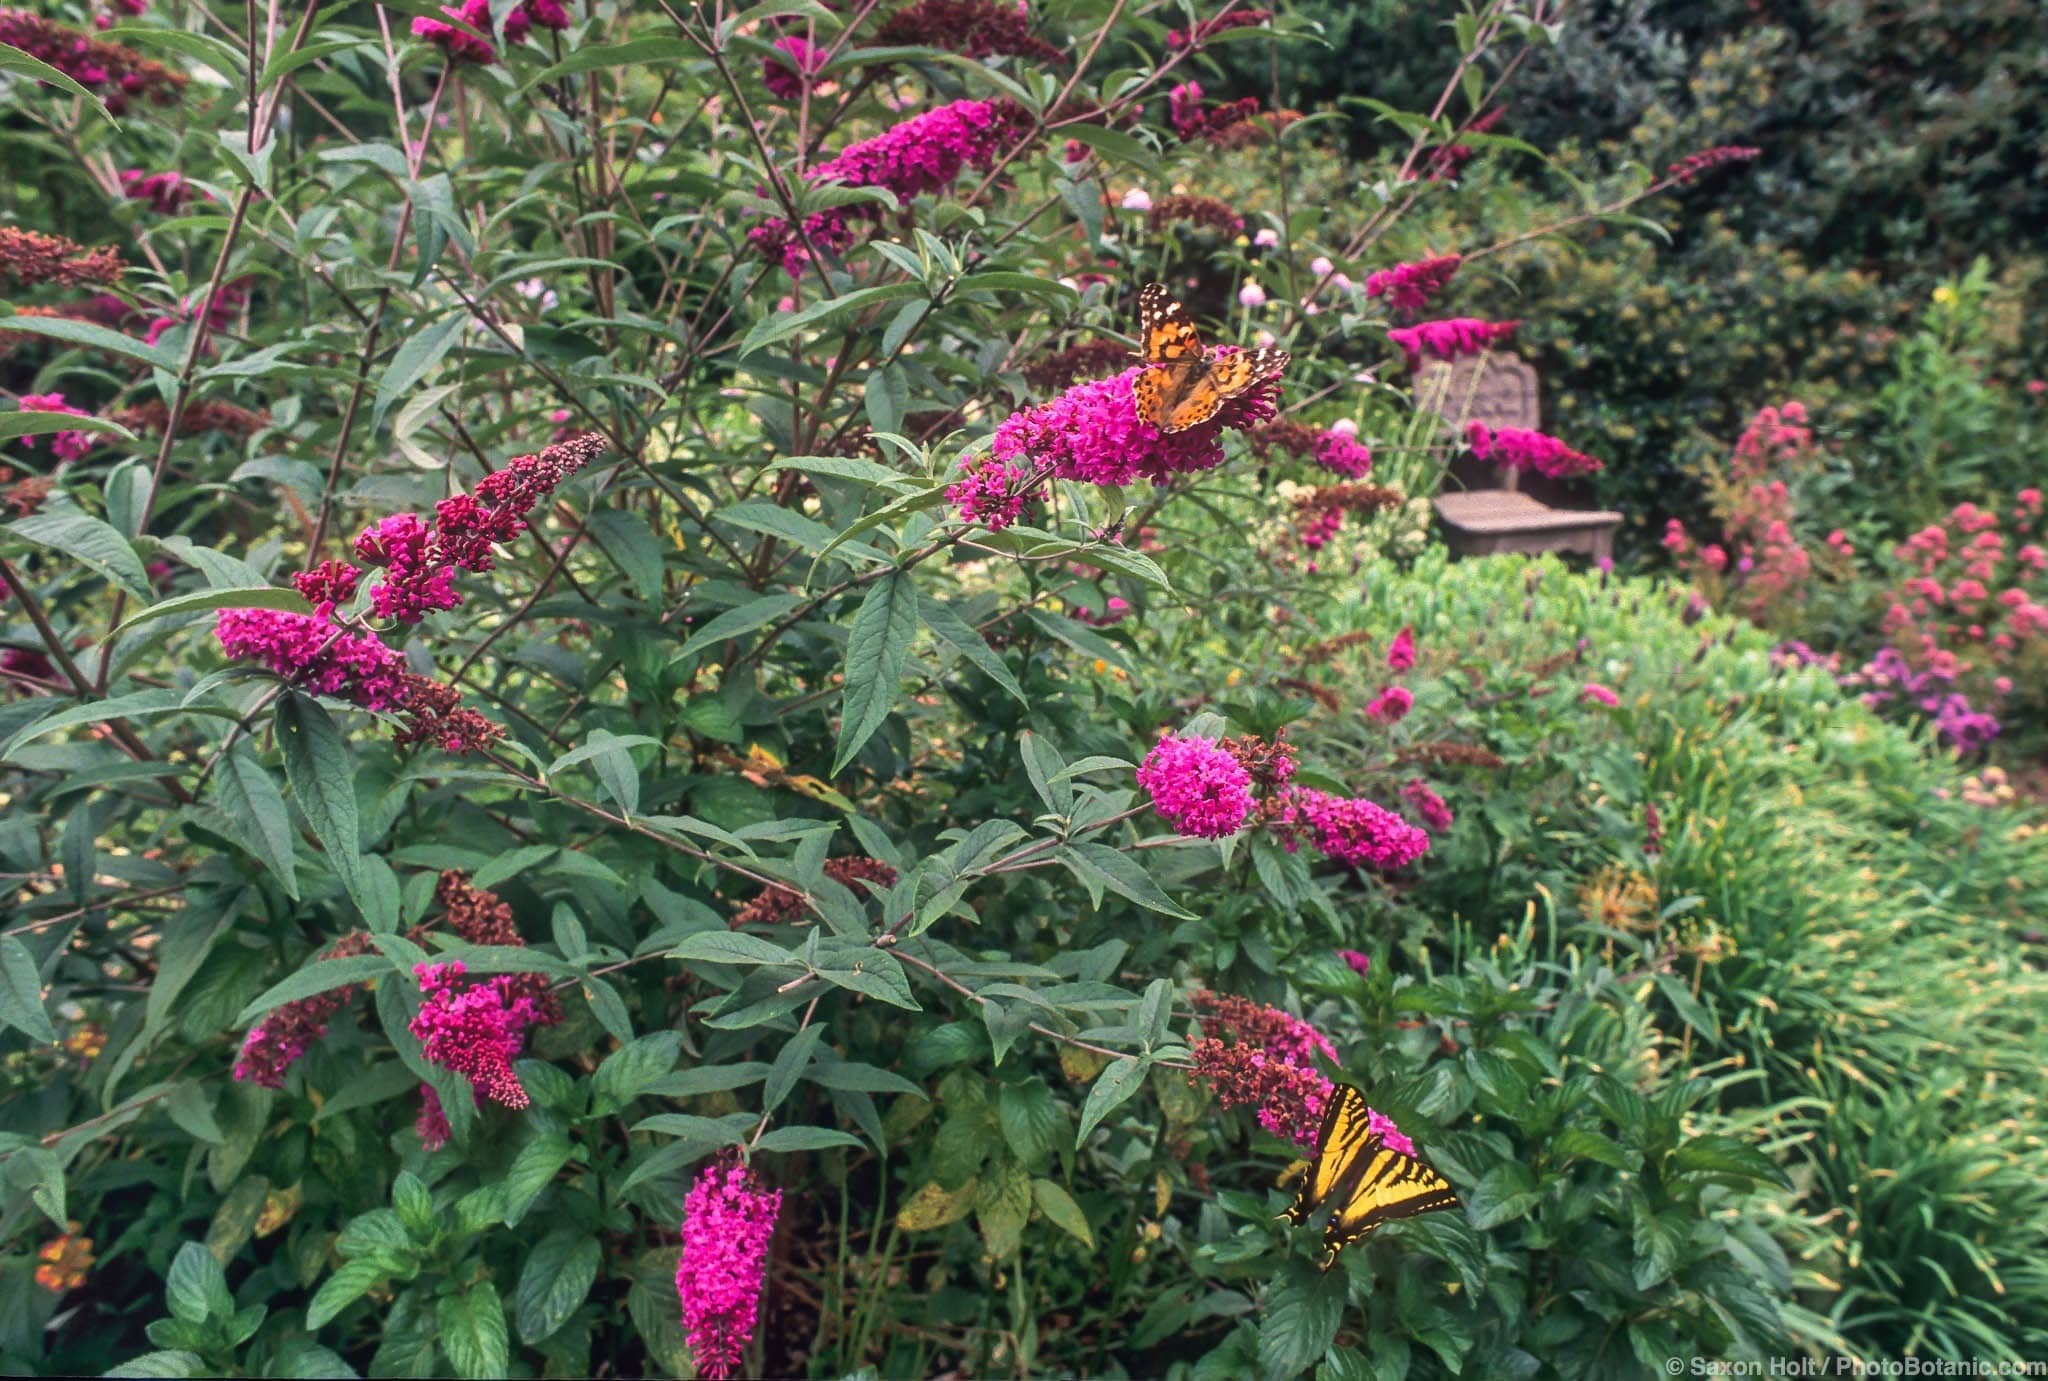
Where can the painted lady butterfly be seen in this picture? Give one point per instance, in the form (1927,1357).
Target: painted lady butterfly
(1185,384)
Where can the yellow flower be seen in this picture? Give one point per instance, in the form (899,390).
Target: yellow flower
(1945,295)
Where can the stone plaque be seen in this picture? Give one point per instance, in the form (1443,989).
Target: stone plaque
(1497,389)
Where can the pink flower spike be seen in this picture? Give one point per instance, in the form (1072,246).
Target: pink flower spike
(1197,786)
(1593,693)
(474,1028)
(728,1220)
(1358,962)
(1391,705)
(1401,652)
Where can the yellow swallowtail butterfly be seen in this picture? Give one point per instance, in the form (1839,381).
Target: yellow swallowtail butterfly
(1363,1181)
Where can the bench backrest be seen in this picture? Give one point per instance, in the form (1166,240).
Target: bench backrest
(1493,387)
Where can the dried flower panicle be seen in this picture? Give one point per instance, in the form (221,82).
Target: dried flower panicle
(728,1220)
(1689,168)
(1446,754)
(780,905)
(1195,210)
(1260,1057)
(200,416)
(978,29)
(1089,359)
(1178,39)
(31,257)
(287,1032)
(114,72)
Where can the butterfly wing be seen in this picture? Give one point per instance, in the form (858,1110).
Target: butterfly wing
(1172,349)
(1220,379)
(1165,330)
(1346,1130)
(1363,1180)
(1384,1186)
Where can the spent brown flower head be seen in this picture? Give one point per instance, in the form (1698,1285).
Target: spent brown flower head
(30,257)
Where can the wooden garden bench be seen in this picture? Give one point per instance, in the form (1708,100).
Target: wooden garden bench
(1491,512)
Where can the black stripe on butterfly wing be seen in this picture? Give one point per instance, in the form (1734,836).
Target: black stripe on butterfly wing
(1381,1191)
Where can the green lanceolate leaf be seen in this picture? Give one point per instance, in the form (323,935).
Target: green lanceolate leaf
(316,762)
(877,649)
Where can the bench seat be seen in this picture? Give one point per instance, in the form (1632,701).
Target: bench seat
(1480,521)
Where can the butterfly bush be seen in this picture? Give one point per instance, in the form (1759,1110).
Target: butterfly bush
(1197,786)
(474,1028)
(287,1032)
(420,557)
(1451,339)
(919,156)
(111,71)
(975,29)
(1519,448)
(788,69)
(1429,807)
(1093,433)
(1409,287)
(30,257)
(1350,829)
(1260,1057)
(728,1219)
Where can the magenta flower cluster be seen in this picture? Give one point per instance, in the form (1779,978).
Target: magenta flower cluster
(1391,705)
(1452,338)
(165,192)
(1401,652)
(1518,448)
(923,154)
(1429,807)
(1350,829)
(1409,287)
(1197,786)
(63,445)
(728,1219)
(475,1028)
(1344,453)
(789,68)
(420,558)
(463,46)
(990,492)
(1093,433)
(311,652)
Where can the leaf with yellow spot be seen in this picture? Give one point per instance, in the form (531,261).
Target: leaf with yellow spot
(934,1207)
(1081,1066)
(1162,1193)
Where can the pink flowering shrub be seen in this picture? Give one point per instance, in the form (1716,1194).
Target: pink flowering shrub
(633,657)
(1761,566)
